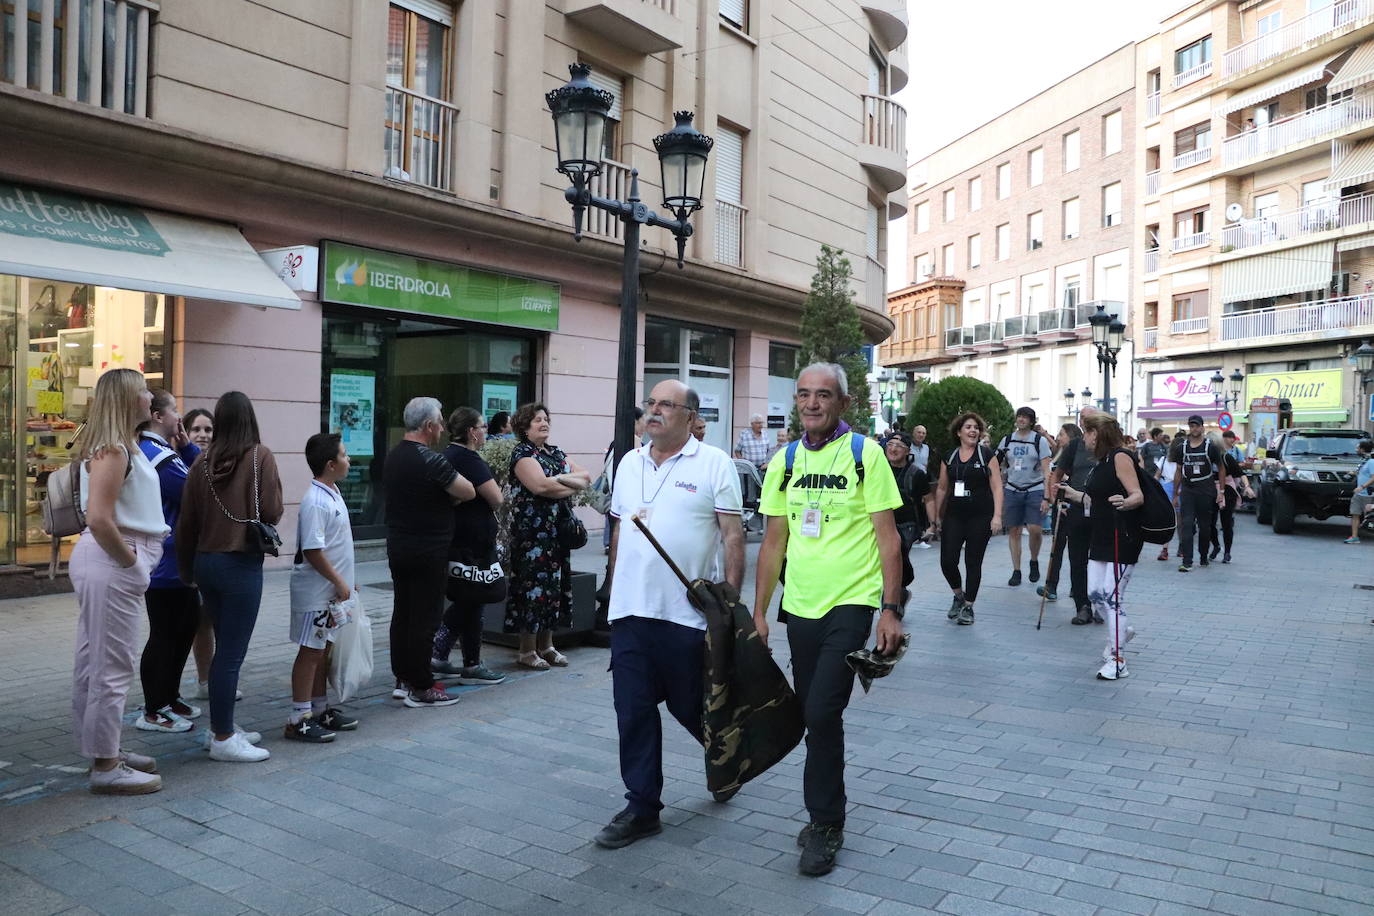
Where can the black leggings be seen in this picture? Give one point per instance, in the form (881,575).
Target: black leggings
(462,623)
(1226,515)
(969,534)
(173,617)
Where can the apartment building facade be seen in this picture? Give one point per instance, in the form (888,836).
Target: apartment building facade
(1255,190)
(336,206)
(1017,232)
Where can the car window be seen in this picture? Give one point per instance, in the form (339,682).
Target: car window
(1338,446)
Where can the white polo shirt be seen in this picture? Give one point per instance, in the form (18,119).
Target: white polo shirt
(323,526)
(679,502)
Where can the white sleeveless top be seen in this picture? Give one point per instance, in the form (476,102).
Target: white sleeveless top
(139,505)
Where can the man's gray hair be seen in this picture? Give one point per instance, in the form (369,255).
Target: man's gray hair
(756,418)
(420,411)
(834,370)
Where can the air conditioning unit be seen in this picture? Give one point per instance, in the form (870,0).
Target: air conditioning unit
(1036,243)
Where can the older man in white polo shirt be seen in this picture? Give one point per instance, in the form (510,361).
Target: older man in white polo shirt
(687,493)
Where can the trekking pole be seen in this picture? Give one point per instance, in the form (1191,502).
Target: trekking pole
(1116,590)
(1056,560)
(662,553)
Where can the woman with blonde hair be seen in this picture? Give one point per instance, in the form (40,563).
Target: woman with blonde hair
(1109,499)
(110,568)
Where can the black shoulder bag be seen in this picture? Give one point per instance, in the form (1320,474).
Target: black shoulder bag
(262,538)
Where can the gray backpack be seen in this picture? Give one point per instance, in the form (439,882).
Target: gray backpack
(62,512)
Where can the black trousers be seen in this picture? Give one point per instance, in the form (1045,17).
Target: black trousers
(1196,505)
(1071,536)
(173,617)
(823,683)
(653,661)
(1226,516)
(462,624)
(969,535)
(416,610)
(907,533)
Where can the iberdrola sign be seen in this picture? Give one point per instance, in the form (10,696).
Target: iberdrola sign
(353,275)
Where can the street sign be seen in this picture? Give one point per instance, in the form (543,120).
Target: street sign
(1224,421)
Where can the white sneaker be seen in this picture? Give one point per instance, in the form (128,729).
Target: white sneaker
(237,749)
(400,691)
(138,761)
(164,720)
(1113,669)
(922,545)
(124,780)
(192,711)
(250,737)
(1107,652)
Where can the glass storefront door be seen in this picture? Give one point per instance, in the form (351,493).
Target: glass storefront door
(704,359)
(373,365)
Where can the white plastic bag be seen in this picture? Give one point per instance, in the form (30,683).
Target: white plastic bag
(350,665)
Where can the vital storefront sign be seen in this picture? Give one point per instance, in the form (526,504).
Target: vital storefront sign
(352,275)
(60,217)
(1182,389)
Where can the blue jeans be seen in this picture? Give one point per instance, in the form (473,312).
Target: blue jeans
(231,587)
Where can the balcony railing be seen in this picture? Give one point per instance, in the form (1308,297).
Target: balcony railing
(959,339)
(884,123)
(1193,74)
(1333,117)
(729,233)
(1152,180)
(1056,321)
(613,182)
(1295,35)
(1152,104)
(419,138)
(101,60)
(1342,314)
(1320,216)
(1018,326)
(1151,340)
(1152,260)
(1189,325)
(987,335)
(1192,158)
(1188,242)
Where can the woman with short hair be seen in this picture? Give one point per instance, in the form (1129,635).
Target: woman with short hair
(540,575)
(968,506)
(110,568)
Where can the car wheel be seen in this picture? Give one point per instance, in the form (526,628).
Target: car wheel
(1284,511)
(1264,511)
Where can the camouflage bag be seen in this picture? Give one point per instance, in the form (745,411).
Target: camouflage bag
(751,718)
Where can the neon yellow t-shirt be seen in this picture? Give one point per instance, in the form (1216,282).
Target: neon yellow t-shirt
(841,566)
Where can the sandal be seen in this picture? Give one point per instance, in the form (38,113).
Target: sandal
(531,660)
(553,657)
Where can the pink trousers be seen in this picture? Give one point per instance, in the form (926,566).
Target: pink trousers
(111,601)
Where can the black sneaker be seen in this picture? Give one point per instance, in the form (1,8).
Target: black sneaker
(1034,571)
(335,721)
(1015,577)
(1203,561)
(1216,549)
(966,615)
(308,730)
(1185,566)
(955,605)
(1226,557)
(625,828)
(823,841)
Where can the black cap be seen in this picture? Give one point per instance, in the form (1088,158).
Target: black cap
(1195,419)
(900,437)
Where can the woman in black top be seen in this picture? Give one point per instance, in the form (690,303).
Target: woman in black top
(968,503)
(1112,495)
(474,544)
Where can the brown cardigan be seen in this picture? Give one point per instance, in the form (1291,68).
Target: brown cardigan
(203,527)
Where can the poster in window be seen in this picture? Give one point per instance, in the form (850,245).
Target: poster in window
(352,402)
(497,397)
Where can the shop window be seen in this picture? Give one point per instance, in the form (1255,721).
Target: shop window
(57,339)
(704,359)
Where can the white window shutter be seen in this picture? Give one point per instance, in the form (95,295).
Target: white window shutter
(871,236)
(441,11)
(615,86)
(733,11)
(728,154)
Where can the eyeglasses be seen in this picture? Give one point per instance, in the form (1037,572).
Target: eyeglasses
(650,404)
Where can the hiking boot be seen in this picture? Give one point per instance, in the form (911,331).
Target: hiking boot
(479,674)
(1015,577)
(1046,592)
(955,605)
(1113,668)
(1034,571)
(335,721)
(309,731)
(1084,615)
(433,698)
(625,828)
(123,779)
(966,615)
(823,841)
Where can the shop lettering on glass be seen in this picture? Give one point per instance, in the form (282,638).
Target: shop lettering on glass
(78,220)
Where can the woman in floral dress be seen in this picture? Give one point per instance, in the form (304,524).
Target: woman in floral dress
(540,572)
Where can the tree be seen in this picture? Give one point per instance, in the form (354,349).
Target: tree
(830,333)
(937,405)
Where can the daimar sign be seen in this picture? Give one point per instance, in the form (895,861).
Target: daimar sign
(353,275)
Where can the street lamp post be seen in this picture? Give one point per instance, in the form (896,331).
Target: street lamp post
(580,111)
(1108,335)
(1364,365)
(1226,401)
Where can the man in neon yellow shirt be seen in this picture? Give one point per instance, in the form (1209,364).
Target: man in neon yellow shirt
(834,526)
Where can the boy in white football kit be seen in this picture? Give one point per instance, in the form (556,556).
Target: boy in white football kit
(321,580)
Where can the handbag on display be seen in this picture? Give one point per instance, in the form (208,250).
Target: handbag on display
(262,537)
(572,534)
(476,580)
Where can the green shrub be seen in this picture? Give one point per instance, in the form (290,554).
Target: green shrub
(937,405)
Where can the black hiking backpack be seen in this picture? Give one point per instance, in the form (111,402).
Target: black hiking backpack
(1156,514)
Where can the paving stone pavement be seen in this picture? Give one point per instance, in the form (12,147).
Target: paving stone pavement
(1233,772)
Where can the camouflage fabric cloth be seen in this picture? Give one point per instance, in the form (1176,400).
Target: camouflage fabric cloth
(751,718)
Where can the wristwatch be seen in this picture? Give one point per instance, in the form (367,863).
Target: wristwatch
(895,609)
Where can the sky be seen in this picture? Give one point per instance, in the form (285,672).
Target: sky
(973,60)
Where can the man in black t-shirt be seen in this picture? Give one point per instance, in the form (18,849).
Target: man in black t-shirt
(918,501)
(1199,482)
(420,488)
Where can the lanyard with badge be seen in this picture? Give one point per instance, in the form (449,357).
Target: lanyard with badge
(646,508)
(960,488)
(811,514)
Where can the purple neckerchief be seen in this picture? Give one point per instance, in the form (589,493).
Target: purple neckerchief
(839,431)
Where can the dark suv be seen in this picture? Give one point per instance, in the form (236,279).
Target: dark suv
(1308,472)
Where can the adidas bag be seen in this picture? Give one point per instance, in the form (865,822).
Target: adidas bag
(1156,514)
